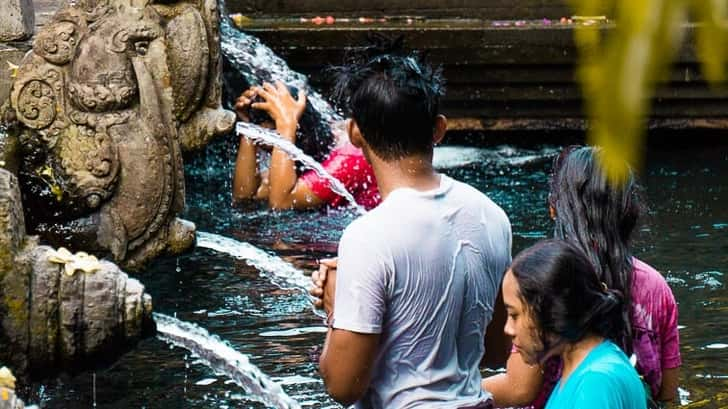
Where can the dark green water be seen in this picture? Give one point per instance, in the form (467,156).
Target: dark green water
(685,236)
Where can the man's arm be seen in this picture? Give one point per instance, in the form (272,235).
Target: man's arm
(347,359)
(346,364)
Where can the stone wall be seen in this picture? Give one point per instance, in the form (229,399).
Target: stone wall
(16,19)
(490,9)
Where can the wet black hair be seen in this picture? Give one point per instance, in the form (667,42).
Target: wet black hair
(598,216)
(394,97)
(563,292)
(314,135)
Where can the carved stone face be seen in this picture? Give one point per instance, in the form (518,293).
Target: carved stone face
(102,76)
(112,93)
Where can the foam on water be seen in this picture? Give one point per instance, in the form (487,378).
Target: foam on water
(451,157)
(294,332)
(224,360)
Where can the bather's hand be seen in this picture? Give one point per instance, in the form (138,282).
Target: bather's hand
(242,104)
(320,278)
(282,107)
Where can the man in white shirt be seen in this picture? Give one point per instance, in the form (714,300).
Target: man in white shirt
(418,276)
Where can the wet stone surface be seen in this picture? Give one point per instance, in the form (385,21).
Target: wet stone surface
(17,19)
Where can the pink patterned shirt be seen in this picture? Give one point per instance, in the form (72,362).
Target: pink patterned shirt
(656,341)
(348,164)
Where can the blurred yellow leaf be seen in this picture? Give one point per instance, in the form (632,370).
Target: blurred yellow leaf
(710,37)
(621,64)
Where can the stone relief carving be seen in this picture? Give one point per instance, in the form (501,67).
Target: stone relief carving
(112,93)
(59,310)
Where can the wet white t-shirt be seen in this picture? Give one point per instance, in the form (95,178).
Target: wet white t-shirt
(423,270)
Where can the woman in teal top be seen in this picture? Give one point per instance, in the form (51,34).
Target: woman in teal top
(557,306)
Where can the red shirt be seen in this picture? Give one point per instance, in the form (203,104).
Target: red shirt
(348,164)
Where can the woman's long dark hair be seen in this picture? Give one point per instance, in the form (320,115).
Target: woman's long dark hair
(598,216)
(562,290)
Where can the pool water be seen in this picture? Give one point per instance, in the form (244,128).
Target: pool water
(685,236)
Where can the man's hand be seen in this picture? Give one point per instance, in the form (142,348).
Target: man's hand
(321,290)
(281,107)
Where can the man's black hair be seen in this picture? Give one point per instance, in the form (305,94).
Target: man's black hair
(394,98)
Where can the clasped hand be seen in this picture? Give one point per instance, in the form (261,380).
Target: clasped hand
(324,285)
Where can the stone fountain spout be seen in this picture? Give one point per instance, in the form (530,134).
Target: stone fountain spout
(104,105)
(59,310)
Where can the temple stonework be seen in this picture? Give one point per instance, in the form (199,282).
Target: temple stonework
(100,112)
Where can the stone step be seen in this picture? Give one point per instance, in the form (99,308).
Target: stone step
(514,72)
(492,9)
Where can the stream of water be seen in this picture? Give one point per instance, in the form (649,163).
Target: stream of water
(264,136)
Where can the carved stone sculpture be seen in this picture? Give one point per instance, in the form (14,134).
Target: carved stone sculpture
(111,94)
(54,315)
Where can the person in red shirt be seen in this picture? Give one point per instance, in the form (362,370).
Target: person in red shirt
(282,185)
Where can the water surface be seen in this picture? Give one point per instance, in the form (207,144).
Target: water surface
(685,236)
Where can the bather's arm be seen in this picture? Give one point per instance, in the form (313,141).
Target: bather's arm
(246,178)
(668,389)
(286,191)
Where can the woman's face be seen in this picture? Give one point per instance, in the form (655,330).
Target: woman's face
(520,324)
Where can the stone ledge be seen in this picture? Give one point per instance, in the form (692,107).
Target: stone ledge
(17,19)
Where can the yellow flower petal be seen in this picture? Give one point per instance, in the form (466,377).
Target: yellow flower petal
(6,378)
(13,69)
(69,268)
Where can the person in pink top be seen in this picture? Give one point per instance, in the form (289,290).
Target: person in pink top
(599,217)
(283,185)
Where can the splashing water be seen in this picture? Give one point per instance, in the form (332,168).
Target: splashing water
(257,63)
(451,157)
(267,137)
(224,360)
(280,272)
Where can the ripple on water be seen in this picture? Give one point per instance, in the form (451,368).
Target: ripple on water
(271,325)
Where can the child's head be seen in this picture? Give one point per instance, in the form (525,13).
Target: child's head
(555,298)
(394,100)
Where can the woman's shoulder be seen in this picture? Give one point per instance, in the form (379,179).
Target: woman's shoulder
(647,282)
(611,370)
